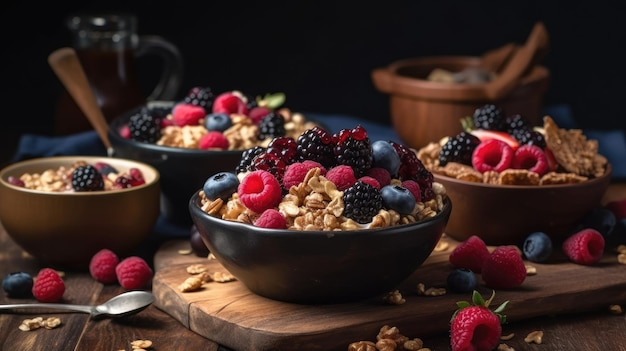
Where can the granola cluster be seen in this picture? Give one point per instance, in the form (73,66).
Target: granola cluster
(242,135)
(577,156)
(316,204)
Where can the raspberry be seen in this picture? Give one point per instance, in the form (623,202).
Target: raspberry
(504,268)
(492,155)
(618,207)
(414,188)
(125,132)
(342,176)
(229,103)
(470,254)
(295,172)
(259,190)
(475,326)
(271,218)
(187,114)
(213,140)
(532,158)
(371,181)
(257,113)
(584,247)
(102,266)
(48,286)
(380,174)
(133,273)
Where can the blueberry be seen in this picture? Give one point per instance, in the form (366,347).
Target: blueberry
(220,185)
(537,247)
(398,198)
(385,156)
(218,122)
(462,280)
(601,219)
(18,284)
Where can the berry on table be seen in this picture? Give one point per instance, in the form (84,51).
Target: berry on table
(601,219)
(504,268)
(133,273)
(537,247)
(102,266)
(470,254)
(198,246)
(48,286)
(474,326)
(18,284)
(461,280)
(585,247)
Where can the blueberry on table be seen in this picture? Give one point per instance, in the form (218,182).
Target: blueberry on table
(601,219)
(18,284)
(461,280)
(537,247)
(198,246)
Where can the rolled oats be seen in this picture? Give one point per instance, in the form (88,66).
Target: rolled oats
(535,337)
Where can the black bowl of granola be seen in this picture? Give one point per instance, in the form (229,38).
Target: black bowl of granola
(319,266)
(177,151)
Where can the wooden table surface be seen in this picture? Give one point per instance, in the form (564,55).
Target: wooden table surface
(598,330)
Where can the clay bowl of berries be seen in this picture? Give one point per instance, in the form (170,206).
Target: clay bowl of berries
(199,135)
(340,224)
(507,184)
(62,210)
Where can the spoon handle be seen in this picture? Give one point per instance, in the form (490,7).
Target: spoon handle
(47,306)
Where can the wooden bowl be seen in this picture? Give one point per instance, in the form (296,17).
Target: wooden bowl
(422,111)
(65,229)
(507,214)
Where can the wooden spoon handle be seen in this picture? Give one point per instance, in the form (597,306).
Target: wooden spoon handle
(67,67)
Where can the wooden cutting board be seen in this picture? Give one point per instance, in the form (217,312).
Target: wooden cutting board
(231,315)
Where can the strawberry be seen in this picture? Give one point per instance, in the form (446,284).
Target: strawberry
(584,247)
(504,268)
(474,327)
(492,155)
(484,134)
(470,254)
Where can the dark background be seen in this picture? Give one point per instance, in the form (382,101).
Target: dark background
(321,53)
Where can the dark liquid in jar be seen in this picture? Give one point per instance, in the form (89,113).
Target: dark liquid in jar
(113,80)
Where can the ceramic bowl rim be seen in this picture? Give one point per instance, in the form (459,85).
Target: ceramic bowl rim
(269,232)
(68,159)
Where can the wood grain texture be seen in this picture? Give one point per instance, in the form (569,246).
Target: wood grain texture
(231,315)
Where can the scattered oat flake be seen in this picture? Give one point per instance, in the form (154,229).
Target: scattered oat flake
(531,270)
(505,347)
(507,337)
(535,337)
(184,252)
(615,309)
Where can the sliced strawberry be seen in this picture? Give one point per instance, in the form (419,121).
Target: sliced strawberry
(484,134)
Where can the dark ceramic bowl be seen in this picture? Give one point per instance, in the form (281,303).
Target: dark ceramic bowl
(65,229)
(319,266)
(182,171)
(507,214)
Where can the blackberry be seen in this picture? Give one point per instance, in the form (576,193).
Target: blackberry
(271,126)
(144,127)
(411,168)
(459,149)
(247,157)
(529,136)
(200,96)
(362,201)
(316,144)
(517,122)
(285,148)
(489,117)
(159,109)
(87,178)
(353,148)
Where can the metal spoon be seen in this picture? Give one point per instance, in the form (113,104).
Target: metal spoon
(119,306)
